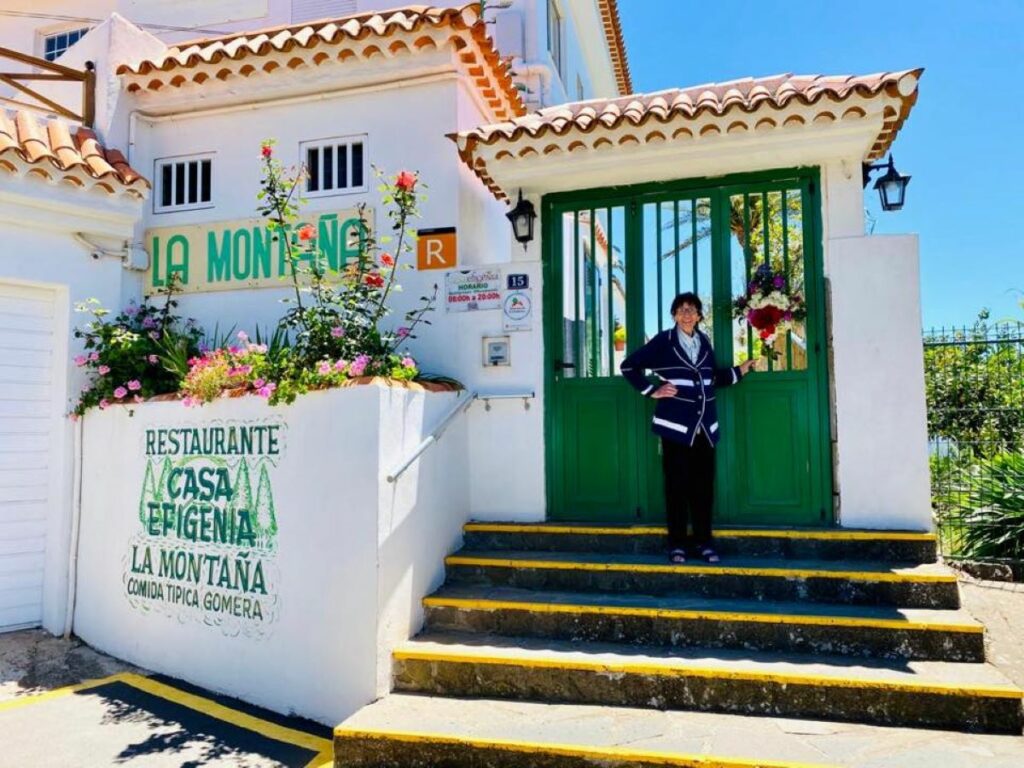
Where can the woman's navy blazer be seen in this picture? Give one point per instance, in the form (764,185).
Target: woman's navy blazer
(677,418)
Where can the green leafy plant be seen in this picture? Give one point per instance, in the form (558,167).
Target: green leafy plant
(336,319)
(134,355)
(993,493)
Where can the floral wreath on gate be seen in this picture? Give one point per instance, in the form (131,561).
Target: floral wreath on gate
(769,307)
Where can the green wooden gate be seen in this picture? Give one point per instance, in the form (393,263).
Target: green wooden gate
(613,261)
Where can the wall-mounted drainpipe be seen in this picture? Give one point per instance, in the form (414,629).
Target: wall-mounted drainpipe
(76,523)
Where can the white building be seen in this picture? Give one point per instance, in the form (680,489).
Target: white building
(640,197)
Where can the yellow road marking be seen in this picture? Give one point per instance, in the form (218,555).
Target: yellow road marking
(56,693)
(595,753)
(228,715)
(727,533)
(789,573)
(323,747)
(665,670)
(682,614)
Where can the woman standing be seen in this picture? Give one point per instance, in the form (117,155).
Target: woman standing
(686,419)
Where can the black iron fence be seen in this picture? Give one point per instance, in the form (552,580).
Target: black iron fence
(975,387)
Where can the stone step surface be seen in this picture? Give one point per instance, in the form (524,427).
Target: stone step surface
(858,582)
(688,621)
(777,543)
(424,731)
(972,697)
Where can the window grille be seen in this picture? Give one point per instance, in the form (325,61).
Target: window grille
(335,166)
(184,183)
(56,44)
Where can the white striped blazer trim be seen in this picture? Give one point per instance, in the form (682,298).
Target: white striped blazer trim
(671,425)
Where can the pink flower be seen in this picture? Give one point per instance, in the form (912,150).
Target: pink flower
(103,370)
(131,310)
(408,362)
(306,232)
(134,385)
(359,365)
(120,392)
(403,332)
(266,151)
(259,383)
(189,401)
(337,332)
(153,359)
(94,356)
(148,322)
(387,260)
(324,369)
(138,398)
(81,360)
(405,181)
(340,365)
(267,389)
(242,336)
(104,404)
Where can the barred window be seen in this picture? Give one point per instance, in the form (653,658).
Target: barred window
(335,166)
(184,183)
(54,45)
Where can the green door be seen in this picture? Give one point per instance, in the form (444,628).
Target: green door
(613,262)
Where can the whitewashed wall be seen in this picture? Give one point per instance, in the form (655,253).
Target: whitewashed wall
(37,222)
(354,554)
(880,407)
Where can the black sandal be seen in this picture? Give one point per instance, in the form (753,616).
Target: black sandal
(677,556)
(709,555)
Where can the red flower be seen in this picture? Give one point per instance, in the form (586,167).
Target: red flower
(307,232)
(387,260)
(374,279)
(766,334)
(266,150)
(405,181)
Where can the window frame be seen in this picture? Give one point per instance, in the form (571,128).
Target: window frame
(172,160)
(556,25)
(346,140)
(47,33)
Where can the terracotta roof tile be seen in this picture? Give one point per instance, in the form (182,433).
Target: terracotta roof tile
(616,44)
(362,35)
(61,151)
(686,105)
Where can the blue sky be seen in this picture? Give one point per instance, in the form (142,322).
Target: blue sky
(963,143)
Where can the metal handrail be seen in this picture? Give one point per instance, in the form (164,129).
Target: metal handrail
(526,397)
(465,400)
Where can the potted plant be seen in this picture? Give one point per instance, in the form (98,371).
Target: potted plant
(619,336)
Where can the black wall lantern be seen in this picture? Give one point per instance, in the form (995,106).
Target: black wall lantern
(891,186)
(522,218)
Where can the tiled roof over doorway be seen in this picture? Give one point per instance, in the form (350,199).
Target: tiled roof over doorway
(714,109)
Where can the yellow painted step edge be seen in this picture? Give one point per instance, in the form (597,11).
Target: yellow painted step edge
(721,570)
(998,692)
(567,750)
(727,533)
(681,614)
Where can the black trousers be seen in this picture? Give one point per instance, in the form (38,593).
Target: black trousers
(689,490)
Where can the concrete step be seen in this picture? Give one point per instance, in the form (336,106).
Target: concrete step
(854,582)
(971,697)
(681,621)
(778,543)
(431,732)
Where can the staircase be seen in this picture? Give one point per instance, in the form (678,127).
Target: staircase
(553,645)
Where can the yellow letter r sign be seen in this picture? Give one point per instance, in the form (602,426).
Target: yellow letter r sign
(436,248)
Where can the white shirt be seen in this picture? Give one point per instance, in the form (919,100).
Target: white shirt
(689,343)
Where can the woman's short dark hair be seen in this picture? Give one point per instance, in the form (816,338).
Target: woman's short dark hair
(690,298)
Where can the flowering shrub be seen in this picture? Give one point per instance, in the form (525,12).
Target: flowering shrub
(239,368)
(337,316)
(769,307)
(132,356)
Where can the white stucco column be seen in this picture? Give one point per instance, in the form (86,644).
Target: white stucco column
(878,378)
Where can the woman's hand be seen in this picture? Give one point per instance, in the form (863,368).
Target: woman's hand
(746,366)
(665,390)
